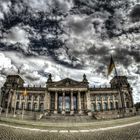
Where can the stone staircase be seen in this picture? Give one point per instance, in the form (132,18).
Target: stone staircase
(68,118)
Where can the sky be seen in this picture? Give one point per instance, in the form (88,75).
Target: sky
(68,38)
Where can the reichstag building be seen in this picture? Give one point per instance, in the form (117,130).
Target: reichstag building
(69,97)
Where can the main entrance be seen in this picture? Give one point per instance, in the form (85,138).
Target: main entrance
(67,103)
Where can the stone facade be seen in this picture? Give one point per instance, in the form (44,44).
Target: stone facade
(69,97)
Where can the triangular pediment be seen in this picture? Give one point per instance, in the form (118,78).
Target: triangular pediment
(67,82)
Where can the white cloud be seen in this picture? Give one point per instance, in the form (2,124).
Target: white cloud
(37,4)
(5,6)
(4,62)
(17,34)
(1,15)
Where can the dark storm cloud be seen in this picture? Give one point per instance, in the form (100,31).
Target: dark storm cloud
(73,33)
(124,56)
(94,50)
(40,23)
(135,13)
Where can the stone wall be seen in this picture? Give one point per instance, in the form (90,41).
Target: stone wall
(114,114)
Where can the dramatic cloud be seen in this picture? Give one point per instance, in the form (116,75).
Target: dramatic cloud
(69,38)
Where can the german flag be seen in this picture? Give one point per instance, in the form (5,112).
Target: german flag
(25,92)
(111,66)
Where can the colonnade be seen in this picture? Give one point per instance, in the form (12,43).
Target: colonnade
(63,94)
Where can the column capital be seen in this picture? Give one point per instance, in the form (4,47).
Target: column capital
(79,102)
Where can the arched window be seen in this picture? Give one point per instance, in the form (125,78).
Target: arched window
(23,105)
(18,96)
(35,107)
(111,106)
(105,106)
(35,98)
(41,107)
(111,97)
(17,105)
(99,98)
(105,97)
(22,97)
(41,98)
(127,104)
(99,106)
(29,106)
(116,97)
(93,108)
(29,97)
(117,107)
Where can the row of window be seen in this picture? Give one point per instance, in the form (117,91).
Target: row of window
(104,97)
(29,97)
(105,106)
(29,106)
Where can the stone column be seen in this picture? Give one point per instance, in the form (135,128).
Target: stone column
(132,103)
(20,101)
(88,100)
(120,100)
(26,102)
(96,103)
(45,101)
(48,102)
(15,103)
(72,103)
(114,104)
(56,104)
(63,103)
(79,103)
(32,102)
(102,103)
(38,102)
(124,99)
(13,99)
(108,102)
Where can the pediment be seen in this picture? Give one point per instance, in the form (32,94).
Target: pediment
(67,82)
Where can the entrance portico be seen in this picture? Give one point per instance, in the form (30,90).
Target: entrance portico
(67,96)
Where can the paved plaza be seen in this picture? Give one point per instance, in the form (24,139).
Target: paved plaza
(125,133)
(119,129)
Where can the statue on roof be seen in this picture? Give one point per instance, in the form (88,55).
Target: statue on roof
(85,78)
(49,78)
